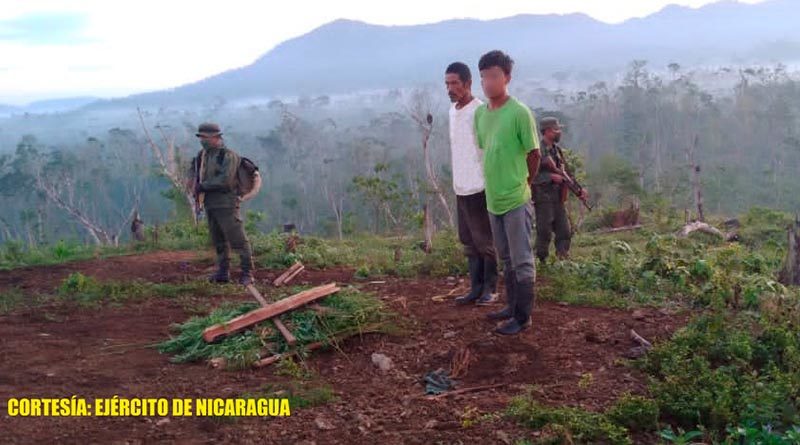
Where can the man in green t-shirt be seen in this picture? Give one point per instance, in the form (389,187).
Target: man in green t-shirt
(506,132)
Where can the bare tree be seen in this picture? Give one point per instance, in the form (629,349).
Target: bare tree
(420,110)
(168,164)
(60,187)
(695,172)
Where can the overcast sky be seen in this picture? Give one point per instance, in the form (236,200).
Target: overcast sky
(57,48)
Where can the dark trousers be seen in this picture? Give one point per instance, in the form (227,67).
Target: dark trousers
(551,217)
(227,232)
(474,230)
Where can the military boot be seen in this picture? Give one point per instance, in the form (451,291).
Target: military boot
(247,270)
(222,274)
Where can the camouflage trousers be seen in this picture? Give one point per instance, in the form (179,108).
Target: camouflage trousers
(227,232)
(551,217)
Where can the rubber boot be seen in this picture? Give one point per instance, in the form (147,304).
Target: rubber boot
(525,296)
(475,280)
(489,294)
(509,277)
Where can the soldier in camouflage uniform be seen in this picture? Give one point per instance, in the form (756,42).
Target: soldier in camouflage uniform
(216,167)
(550,194)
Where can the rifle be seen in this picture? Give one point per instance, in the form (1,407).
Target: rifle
(571,183)
(199,198)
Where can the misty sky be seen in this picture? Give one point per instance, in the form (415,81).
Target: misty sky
(56,48)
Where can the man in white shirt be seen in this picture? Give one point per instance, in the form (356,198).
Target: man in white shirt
(474,230)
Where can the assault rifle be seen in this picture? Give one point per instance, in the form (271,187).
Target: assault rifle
(571,183)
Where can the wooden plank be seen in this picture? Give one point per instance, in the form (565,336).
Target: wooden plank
(280,280)
(257,295)
(287,335)
(293,275)
(273,310)
(274,358)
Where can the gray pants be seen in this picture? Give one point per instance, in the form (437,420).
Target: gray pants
(512,239)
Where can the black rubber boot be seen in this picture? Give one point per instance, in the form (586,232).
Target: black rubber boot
(524,296)
(475,280)
(508,312)
(489,293)
(512,327)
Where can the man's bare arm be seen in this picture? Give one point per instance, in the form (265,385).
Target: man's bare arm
(533,164)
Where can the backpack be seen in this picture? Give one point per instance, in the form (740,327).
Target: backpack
(248,179)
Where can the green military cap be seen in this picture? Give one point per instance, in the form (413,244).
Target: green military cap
(549,122)
(208,129)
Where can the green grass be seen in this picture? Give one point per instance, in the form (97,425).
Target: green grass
(11,299)
(89,292)
(301,394)
(239,351)
(371,256)
(565,424)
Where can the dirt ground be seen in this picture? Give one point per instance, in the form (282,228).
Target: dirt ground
(572,354)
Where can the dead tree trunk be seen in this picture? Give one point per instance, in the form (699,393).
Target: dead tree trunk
(168,165)
(427,228)
(790,274)
(696,186)
(420,112)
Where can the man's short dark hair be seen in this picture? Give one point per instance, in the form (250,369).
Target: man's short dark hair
(461,69)
(496,58)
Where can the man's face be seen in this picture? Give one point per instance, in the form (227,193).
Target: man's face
(494,81)
(456,89)
(212,141)
(553,134)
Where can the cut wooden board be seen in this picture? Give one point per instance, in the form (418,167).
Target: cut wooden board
(287,335)
(293,275)
(244,321)
(282,278)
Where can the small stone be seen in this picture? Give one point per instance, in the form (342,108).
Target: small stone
(383,362)
(449,334)
(503,436)
(217,362)
(163,421)
(431,424)
(323,424)
(639,314)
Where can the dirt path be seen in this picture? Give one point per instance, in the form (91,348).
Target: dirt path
(102,352)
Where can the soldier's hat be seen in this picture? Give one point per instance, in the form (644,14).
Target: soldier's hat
(549,122)
(208,129)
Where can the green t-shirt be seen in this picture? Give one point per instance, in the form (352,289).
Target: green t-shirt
(506,135)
